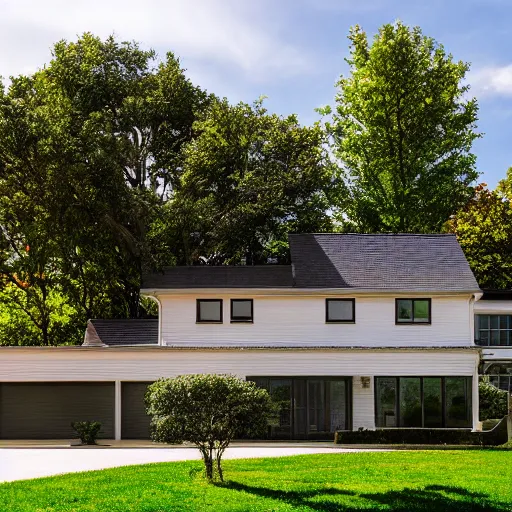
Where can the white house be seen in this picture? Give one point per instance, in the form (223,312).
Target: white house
(361,331)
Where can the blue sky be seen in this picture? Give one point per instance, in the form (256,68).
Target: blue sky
(289,50)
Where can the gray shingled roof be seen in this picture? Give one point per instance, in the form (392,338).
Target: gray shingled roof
(380,262)
(258,276)
(127,332)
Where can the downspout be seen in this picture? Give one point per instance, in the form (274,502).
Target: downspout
(157,300)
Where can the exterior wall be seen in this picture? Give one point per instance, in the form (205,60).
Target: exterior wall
(26,364)
(281,320)
(495,307)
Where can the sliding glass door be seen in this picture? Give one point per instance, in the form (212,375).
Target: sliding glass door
(309,408)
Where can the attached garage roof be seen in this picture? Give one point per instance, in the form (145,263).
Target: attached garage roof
(121,332)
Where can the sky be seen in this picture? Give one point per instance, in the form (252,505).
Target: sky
(291,51)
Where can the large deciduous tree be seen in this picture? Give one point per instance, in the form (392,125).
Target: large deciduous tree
(403,130)
(484,231)
(248,179)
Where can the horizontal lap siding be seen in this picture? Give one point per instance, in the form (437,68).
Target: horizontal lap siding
(284,320)
(148,365)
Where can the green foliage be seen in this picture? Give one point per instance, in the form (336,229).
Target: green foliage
(484,231)
(397,481)
(493,401)
(425,436)
(249,178)
(208,411)
(87,431)
(403,131)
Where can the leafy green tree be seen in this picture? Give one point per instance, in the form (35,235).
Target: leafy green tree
(208,411)
(484,231)
(249,178)
(403,130)
(493,401)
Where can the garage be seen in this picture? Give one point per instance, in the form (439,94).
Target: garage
(45,410)
(135,421)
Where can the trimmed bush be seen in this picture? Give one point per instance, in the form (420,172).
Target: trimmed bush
(493,401)
(494,437)
(87,431)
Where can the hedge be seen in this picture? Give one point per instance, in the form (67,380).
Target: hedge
(495,437)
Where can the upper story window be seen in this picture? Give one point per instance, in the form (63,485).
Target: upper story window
(242,310)
(209,311)
(493,330)
(340,310)
(413,311)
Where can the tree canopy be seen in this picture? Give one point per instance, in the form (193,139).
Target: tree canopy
(403,129)
(484,231)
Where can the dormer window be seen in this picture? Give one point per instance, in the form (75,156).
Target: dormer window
(413,311)
(209,311)
(340,311)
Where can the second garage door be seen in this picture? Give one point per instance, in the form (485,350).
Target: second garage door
(45,410)
(135,421)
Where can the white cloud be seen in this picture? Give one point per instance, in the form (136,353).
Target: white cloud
(231,33)
(492,81)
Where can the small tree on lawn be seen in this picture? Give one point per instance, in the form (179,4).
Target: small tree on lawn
(208,411)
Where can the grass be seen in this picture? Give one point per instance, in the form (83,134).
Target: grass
(469,481)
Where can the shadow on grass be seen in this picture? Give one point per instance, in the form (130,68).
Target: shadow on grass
(432,498)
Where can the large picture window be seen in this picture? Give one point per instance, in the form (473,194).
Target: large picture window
(209,311)
(429,402)
(413,311)
(493,330)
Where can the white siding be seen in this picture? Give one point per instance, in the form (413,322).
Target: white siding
(490,307)
(363,405)
(25,364)
(300,321)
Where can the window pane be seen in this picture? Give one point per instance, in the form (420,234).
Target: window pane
(432,402)
(484,337)
(503,338)
(337,405)
(458,401)
(340,310)
(421,311)
(404,310)
(410,404)
(386,401)
(241,309)
(484,321)
(503,322)
(495,337)
(209,311)
(494,321)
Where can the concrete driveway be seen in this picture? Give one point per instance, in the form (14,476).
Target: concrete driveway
(25,463)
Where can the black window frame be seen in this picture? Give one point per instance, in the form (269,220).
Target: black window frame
(412,322)
(444,411)
(351,321)
(198,312)
(242,320)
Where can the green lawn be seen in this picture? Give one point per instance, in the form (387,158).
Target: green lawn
(432,481)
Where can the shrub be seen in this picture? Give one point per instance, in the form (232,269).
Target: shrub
(208,411)
(493,401)
(494,437)
(87,431)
